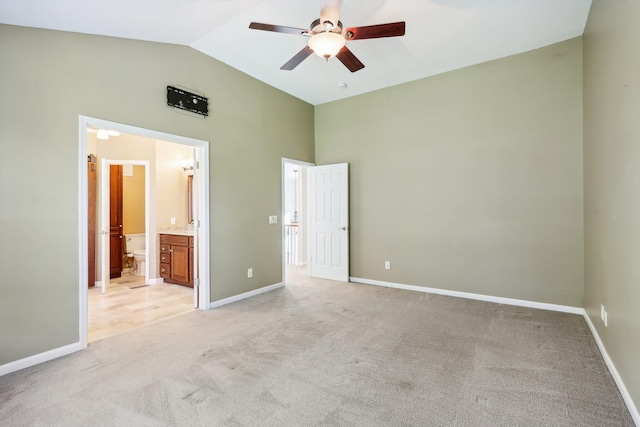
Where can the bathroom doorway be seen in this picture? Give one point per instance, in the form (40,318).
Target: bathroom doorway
(196,162)
(124,211)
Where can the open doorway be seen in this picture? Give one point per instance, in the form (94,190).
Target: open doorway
(158,188)
(129,294)
(124,186)
(294,220)
(315,221)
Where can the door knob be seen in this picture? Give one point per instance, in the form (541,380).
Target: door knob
(345,228)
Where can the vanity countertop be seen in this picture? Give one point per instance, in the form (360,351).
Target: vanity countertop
(179,231)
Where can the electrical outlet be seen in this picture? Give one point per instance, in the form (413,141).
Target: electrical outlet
(249,273)
(273,219)
(387,265)
(173,221)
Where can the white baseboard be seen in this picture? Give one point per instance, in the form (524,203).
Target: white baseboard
(468,295)
(614,372)
(36,359)
(245,295)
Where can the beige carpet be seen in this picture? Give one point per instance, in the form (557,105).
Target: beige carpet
(327,353)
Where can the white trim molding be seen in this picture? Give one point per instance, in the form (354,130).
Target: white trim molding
(468,295)
(225,301)
(36,359)
(614,372)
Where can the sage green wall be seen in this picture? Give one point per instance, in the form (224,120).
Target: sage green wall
(470,180)
(48,79)
(612,181)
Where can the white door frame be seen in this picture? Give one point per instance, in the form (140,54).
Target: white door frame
(104,210)
(202,214)
(282,207)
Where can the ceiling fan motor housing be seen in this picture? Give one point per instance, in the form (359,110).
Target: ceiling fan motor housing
(326,26)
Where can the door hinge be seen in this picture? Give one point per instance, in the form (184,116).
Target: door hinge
(196,282)
(91,158)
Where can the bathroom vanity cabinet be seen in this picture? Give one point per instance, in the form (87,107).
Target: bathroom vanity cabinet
(176,259)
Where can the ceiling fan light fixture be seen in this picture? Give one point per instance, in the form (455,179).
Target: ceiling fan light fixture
(327,44)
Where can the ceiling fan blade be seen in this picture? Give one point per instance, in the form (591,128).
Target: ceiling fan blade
(330,11)
(297,59)
(278,29)
(349,60)
(393,29)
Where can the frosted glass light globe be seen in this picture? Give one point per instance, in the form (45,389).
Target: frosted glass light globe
(327,44)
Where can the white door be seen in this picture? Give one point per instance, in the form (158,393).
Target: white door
(105,225)
(329,221)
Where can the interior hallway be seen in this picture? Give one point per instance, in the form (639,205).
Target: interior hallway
(320,352)
(129,303)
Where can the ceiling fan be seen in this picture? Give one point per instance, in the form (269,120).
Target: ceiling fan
(328,38)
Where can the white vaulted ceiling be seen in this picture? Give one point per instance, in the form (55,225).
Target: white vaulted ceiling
(441,35)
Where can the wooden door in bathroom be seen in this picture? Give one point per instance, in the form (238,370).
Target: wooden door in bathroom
(115,221)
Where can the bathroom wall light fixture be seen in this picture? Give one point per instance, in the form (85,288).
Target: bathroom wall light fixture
(105,134)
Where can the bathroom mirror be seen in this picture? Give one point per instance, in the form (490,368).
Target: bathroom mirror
(190,200)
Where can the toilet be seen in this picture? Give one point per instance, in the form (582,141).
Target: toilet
(135,248)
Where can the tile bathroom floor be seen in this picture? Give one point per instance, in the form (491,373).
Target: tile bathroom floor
(130,303)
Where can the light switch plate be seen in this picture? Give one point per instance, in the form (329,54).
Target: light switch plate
(273,219)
